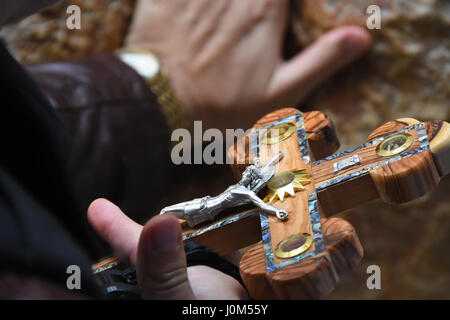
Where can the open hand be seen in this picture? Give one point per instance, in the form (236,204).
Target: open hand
(225,56)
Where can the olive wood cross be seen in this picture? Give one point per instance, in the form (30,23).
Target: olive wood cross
(304,256)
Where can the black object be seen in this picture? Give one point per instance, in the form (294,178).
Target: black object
(118,281)
(201,255)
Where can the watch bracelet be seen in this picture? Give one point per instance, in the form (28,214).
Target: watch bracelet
(170,104)
(160,87)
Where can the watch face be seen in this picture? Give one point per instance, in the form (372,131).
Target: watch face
(394,145)
(146,64)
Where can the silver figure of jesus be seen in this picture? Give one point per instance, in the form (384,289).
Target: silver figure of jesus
(254,178)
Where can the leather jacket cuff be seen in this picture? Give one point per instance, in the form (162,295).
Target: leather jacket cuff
(120,137)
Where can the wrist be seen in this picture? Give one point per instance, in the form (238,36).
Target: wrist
(146,64)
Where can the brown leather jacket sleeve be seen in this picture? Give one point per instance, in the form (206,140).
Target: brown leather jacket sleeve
(120,138)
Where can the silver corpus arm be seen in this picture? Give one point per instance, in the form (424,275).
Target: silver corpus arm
(281,214)
(252,197)
(254,178)
(192,211)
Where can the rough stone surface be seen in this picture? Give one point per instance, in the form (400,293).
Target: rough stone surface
(44,36)
(407,72)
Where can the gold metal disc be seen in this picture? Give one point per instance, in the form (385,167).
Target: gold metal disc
(293,245)
(281,180)
(278,133)
(394,145)
(286,184)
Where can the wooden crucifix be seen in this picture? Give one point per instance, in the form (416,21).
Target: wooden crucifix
(304,255)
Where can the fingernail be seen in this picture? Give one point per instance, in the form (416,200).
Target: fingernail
(353,46)
(165,237)
(357,42)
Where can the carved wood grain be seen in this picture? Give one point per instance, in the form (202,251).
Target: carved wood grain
(409,178)
(319,128)
(320,132)
(398,182)
(403,180)
(297,207)
(310,278)
(230,238)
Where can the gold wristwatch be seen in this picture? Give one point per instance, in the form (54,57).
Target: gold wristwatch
(148,66)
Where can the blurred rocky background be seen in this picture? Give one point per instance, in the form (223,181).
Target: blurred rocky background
(44,36)
(406,74)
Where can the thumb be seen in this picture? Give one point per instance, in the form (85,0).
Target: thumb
(161,261)
(296,78)
(116,228)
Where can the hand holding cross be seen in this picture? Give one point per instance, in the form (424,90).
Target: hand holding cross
(304,256)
